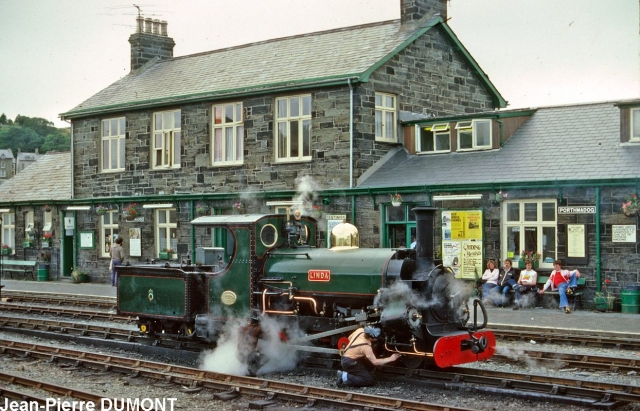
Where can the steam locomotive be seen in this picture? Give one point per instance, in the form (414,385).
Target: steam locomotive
(272,265)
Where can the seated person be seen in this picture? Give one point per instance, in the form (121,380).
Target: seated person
(490,278)
(506,282)
(563,281)
(525,284)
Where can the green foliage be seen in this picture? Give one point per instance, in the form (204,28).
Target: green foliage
(30,133)
(58,141)
(22,138)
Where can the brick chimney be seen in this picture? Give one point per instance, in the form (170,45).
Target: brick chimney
(149,41)
(414,10)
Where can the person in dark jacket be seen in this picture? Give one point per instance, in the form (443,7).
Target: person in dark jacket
(506,282)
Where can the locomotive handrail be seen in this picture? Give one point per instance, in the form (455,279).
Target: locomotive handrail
(270,254)
(474,327)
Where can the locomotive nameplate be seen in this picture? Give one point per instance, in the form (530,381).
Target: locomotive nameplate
(319,275)
(228,297)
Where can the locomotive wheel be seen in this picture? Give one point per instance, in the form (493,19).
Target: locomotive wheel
(411,361)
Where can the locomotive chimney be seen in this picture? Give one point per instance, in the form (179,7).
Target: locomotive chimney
(425,232)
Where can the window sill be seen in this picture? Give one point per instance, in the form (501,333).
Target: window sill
(632,143)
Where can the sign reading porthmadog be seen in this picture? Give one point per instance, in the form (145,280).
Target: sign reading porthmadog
(577,210)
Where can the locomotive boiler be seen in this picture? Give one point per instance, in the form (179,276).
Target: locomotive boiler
(272,265)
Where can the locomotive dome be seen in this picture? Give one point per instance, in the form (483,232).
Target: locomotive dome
(344,236)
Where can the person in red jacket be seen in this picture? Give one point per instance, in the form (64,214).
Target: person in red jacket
(564,281)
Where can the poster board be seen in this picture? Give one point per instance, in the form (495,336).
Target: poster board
(463,242)
(332,221)
(135,242)
(576,245)
(623,233)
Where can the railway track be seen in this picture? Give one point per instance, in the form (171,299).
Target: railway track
(264,391)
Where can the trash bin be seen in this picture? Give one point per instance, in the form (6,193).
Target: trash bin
(43,272)
(631,300)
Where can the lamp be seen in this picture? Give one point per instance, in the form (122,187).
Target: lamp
(78,208)
(457,197)
(168,205)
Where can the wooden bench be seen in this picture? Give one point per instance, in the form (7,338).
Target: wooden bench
(19,267)
(575,297)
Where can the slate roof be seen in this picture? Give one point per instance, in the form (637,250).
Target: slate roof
(309,59)
(47,179)
(7,152)
(580,142)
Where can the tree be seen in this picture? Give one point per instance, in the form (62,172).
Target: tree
(58,141)
(25,139)
(41,126)
(3,119)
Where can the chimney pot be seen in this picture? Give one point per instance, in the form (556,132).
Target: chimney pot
(148,25)
(156,26)
(163,28)
(139,24)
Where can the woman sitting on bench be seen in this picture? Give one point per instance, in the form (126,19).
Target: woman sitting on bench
(563,281)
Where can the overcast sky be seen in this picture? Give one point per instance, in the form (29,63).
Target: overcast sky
(56,54)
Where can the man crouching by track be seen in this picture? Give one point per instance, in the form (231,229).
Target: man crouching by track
(358,358)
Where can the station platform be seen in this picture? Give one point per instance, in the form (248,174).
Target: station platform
(547,318)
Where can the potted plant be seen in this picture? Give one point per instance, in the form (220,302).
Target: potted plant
(631,206)
(500,196)
(239,207)
(46,239)
(604,300)
(101,210)
(6,249)
(396,199)
(317,211)
(165,253)
(131,212)
(202,208)
(79,275)
(27,243)
(529,255)
(47,208)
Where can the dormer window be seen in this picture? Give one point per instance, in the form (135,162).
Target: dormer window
(635,125)
(474,134)
(435,138)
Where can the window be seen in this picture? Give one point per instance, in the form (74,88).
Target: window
(3,173)
(385,118)
(108,231)
(113,137)
(166,230)
(227,134)
(530,225)
(635,124)
(9,230)
(293,128)
(435,138)
(166,139)
(474,134)
(48,221)
(399,226)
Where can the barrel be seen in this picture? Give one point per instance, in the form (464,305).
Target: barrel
(43,272)
(631,300)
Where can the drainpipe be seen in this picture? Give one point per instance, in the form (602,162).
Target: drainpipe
(598,259)
(350,133)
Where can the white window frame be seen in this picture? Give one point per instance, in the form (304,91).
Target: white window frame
(165,139)
(385,115)
(634,124)
(48,222)
(471,126)
(109,231)
(522,223)
(113,132)
(292,114)
(29,220)
(8,235)
(167,230)
(3,173)
(438,129)
(227,134)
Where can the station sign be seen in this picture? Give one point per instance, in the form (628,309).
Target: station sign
(577,210)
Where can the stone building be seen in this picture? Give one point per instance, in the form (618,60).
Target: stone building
(259,127)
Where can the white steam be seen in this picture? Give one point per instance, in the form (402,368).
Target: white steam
(280,356)
(307,193)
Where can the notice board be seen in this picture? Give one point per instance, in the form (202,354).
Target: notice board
(463,242)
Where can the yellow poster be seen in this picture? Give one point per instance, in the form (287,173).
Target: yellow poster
(462,242)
